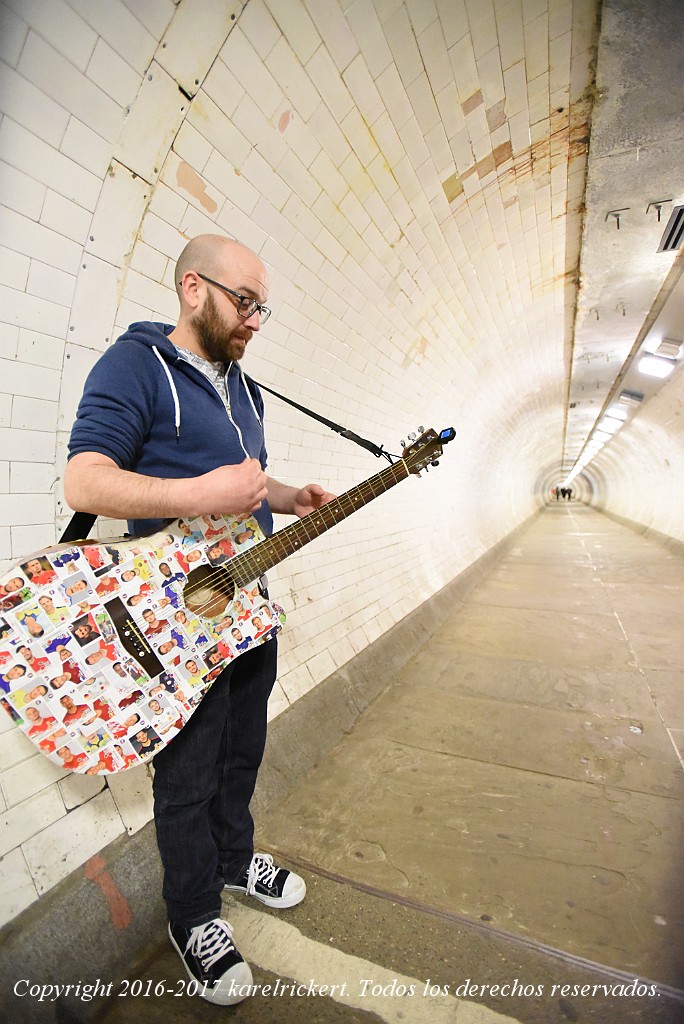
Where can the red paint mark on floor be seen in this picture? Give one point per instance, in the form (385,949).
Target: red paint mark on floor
(119,911)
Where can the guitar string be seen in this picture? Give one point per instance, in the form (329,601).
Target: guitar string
(253,559)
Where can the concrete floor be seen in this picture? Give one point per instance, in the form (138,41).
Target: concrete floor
(509,809)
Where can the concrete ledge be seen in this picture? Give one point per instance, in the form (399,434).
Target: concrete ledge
(108,915)
(91,927)
(671,543)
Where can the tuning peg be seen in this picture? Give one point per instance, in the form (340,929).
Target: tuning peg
(402,443)
(412,437)
(421,430)
(435,463)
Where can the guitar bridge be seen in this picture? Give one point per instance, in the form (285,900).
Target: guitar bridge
(131,639)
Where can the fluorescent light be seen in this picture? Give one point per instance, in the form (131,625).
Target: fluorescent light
(610,423)
(618,412)
(654,366)
(602,435)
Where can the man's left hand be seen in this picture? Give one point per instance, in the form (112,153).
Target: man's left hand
(310,498)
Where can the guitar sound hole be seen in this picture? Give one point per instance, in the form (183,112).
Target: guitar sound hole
(208,591)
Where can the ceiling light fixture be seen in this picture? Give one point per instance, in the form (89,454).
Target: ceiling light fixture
(655,366)
(610,423)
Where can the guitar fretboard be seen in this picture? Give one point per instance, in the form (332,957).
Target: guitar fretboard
(251,564)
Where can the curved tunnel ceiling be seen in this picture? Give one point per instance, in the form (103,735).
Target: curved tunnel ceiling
(628,298)
(436,157)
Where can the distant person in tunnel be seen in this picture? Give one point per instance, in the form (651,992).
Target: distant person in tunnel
(170,426)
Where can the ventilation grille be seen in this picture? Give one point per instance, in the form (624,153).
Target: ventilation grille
(674,231)
(630,397)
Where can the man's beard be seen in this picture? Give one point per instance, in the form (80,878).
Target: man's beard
(218,343)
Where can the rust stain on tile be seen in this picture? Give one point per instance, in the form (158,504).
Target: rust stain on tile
(496,115)
(453,187)
(503,153)
(187,178)
(417,350)
(472,102)
(488,163)
(562,149)
(485,166)
(284,122)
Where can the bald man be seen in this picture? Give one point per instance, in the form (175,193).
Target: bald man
(169,425)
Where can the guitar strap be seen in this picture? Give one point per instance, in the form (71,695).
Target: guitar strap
(81,523)
(343,431)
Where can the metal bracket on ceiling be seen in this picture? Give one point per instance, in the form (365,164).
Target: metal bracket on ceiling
(616,214)
(658,205)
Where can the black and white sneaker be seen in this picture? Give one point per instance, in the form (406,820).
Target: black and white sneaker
(274,886)
(211,959)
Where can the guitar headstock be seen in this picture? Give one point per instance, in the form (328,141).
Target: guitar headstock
(425,450)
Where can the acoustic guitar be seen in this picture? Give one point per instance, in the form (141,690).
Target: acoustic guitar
(107,647)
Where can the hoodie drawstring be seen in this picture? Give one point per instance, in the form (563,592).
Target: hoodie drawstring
(176,402)
(174,393)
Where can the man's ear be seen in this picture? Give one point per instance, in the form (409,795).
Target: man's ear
(191,288)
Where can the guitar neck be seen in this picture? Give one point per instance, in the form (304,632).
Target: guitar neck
(251,564)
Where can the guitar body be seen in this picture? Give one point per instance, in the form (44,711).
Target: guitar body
(107,648)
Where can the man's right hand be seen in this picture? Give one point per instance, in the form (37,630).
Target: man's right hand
(233,489)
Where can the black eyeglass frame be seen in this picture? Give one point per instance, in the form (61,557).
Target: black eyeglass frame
(254,306)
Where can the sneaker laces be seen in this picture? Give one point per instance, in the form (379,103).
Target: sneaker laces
(261,869)
(211,941)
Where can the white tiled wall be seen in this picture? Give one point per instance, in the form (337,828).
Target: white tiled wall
(322,134)
(646,458)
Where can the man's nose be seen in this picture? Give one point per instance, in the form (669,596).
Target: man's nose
(253,321)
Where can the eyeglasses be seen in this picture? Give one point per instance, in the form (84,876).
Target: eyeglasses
(246,305)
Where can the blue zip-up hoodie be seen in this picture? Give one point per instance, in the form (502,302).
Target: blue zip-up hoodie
(154,413)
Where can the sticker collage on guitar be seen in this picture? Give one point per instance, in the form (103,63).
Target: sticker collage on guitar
(107,648)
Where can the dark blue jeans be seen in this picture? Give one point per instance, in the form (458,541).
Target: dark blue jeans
(203,783)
